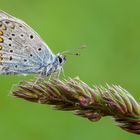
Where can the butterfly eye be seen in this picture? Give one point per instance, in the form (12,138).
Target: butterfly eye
(60,59)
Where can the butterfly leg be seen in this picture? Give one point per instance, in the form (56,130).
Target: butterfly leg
(40,77)
(63,73)
(61,70)
(53,75)
(45,72)
(56,75)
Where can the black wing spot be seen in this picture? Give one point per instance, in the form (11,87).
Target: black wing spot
(10,58)
(22,35)
(13,34)
(31,36)
(11,51)
(9,44)
(25,60)
(10,38)
(39,49)
(15,66)
(7,22)
(31,55)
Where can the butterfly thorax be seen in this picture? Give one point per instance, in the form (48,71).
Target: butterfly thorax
(53,66)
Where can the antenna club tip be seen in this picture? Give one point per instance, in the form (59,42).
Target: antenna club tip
(77,54)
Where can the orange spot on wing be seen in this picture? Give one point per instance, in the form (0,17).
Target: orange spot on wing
(1,47)
(1,40)
(1,33)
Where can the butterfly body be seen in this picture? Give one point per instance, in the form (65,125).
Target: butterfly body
(22,51)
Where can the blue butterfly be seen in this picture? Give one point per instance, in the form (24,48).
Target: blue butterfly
(22,51)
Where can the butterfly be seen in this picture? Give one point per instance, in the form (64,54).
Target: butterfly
(22,51)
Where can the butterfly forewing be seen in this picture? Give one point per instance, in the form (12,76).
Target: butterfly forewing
(21,48)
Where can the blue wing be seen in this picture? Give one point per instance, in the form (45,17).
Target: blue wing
(22,51)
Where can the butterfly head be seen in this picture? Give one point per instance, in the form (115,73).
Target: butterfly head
(61,59)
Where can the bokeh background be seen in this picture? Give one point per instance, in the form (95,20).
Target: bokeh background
(111,31)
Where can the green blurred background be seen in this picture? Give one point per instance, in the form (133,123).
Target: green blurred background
(111,31)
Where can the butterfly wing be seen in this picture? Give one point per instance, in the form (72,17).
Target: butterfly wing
(21,49)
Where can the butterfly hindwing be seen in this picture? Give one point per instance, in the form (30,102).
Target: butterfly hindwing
(21,48)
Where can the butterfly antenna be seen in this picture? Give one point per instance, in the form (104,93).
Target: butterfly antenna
(73,51)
